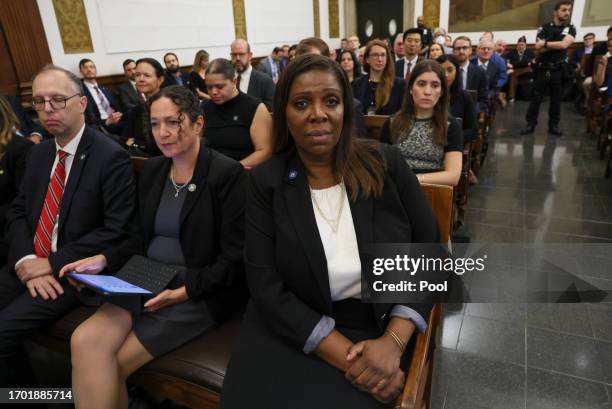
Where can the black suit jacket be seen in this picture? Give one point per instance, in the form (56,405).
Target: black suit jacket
(477,80)
(284,257)
(169,79)
(261,87)
(363,93)
(97,204)
(492,73)
(128,96)
(513,58)
(211,229)
(399,66)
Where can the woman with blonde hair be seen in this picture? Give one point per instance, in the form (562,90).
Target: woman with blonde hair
(198,75)
(379,91)
(13,154)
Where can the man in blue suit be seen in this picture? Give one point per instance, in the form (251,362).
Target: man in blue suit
(103,110)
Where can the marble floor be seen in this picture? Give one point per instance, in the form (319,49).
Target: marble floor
(533,189)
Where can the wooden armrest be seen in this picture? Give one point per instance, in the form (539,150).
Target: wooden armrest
(420,365)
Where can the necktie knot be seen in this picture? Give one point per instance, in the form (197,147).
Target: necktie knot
(62,155)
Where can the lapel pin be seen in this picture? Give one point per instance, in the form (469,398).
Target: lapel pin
(191,187)
(293,174)
(82,156)
(1,171)
(235,118)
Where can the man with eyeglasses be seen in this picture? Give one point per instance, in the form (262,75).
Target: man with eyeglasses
(473,77)
(252,82)
(483,59)
(412,47)
(76,200)
(552,42)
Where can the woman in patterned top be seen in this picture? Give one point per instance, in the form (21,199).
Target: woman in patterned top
(430,139)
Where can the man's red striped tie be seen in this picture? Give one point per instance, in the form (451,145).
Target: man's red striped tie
(50,210)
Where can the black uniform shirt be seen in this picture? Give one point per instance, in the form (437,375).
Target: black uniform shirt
(551,32)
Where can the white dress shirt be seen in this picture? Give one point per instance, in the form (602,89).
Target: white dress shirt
(245,78)
(412,64)
(70,149)
(464,73)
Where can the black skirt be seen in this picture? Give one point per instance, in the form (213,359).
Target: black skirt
(265,372)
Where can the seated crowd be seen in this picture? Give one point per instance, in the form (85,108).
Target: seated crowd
(281,244)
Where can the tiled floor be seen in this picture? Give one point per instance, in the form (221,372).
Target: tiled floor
(533,189)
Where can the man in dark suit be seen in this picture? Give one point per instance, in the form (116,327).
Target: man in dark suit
(128,94)
(473,77)
(271,64)
(412,47)
(76,199)
(517,59)
(102,108)
(250,81)
(174,76)
(483,60)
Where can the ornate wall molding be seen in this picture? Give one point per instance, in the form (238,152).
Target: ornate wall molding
(240,27)
(334,18)
(431,13)
(73,26)
(316,18)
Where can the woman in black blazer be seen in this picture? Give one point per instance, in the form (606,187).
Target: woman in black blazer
(191,213)
(311,211)
(379,91)
(13,154)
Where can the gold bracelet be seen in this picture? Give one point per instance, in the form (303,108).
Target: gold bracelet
(396,338)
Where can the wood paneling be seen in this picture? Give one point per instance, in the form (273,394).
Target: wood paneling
(25,37)
(240,27)
(316,19)
(333,9)
(8,80)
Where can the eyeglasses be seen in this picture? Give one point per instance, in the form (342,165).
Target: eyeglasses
(237,54)
(377,55)
(38,103)
(466,47)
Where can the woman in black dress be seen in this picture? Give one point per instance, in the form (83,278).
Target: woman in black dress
(461,104)
(13,154)
(191,213)
(137,131)
(350,65)
(307,340)
(379,91)
(236,124)
(198,75)
(429,138)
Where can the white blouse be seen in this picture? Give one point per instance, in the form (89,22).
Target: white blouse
(340,246)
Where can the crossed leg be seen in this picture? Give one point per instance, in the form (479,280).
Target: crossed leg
(105,351)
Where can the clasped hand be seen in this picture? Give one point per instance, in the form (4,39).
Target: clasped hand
(375,368)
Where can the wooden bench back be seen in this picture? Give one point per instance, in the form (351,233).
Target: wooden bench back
(440,198)
(373,125)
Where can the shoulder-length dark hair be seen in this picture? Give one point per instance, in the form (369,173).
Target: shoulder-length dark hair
(455,87)
(358,162)
(387,79)
(356,71)
(403,120)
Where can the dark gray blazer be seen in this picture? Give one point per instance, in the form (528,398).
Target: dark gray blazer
(128,96)
(261,87)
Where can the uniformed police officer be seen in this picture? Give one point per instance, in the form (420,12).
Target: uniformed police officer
(552,42)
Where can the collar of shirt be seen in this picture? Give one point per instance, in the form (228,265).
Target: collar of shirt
(465,66)
(245,77)
(588,50)
(413,61)
(71,147)
(482,63)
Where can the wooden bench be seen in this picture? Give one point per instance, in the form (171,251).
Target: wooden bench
(192,375)
(373,125)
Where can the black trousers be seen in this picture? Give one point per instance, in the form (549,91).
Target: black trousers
(20,316)
(542,79)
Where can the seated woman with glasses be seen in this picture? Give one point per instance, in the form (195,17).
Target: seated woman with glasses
(137,132)
(430,139)
(237,125)
(191,213)
(379,91)
(307,340)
